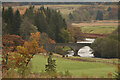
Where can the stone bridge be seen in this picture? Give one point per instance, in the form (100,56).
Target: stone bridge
(74,46)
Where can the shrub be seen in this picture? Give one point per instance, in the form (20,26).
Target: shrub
(62,50)
(59,50)
(105,48)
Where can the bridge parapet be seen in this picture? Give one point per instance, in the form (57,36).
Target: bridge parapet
(73,46)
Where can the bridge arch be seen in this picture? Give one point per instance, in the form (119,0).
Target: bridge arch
(86,51)
(74,46)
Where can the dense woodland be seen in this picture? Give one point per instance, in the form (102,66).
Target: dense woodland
(44,20)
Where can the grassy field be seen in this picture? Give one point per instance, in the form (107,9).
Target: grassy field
(99,29)
(76,68)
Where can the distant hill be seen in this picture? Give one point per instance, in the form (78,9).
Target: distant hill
(7,3)
(60,0)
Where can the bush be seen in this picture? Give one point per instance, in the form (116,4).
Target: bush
(62,50)
(59,50)
(105,48)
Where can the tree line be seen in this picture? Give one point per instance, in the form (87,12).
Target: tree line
(54,3)
(93,13)
(44,20)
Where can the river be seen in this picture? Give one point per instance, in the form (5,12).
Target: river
(86,51)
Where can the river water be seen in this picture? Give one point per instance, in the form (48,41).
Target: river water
(86,51)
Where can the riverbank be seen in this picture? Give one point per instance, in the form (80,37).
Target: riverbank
(85,59)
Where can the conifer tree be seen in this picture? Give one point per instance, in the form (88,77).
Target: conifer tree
(26,28)
(3,11)
(10,15)
(29,14)
(9,19)
(51,66)
(40,22)
(16,23)
(99,15)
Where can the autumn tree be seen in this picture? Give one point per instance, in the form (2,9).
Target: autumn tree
(9,44)
(19,57)
(30,48)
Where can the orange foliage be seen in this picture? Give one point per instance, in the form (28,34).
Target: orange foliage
(35,36)
(22,50)
(25,52)
(15,60)
(51,41)
(9,44)
(41,50)
(32,46)
(23,55)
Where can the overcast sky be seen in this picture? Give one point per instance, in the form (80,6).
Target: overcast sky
(59,0)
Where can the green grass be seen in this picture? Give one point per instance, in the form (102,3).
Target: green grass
(99,29)
(76,68)
(102,60)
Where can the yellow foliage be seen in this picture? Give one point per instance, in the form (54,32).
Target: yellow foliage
(41,50)
(35,36)
(22,50)
(32,46)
